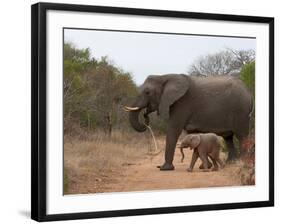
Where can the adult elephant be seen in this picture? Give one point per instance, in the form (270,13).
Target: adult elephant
(217,104)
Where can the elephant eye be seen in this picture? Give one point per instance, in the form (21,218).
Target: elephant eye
(146,92)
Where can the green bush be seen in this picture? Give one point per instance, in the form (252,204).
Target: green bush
(247,75)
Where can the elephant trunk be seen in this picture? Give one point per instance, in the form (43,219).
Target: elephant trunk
(182,154)
(134,121)
(134,112)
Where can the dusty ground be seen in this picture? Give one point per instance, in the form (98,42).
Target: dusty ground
(140,173)
(144,175)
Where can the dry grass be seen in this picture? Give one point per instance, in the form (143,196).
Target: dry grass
(95,163)
(100,158)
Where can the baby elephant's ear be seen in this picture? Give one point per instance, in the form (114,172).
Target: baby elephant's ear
(195,141)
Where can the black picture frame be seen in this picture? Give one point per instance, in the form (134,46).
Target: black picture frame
(39,107)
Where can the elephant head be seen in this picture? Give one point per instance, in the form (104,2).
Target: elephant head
(157,93)
(191,141)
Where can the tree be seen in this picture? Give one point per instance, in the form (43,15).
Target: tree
(243,57)
(76,63)
(227,62)
(111,87)
(94,90)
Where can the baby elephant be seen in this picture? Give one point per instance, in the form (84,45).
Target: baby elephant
(203,145)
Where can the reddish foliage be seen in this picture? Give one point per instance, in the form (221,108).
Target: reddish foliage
(248,145)
(248,170)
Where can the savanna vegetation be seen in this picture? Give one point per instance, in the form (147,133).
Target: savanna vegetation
(95,90)
(98,137)
(99,140)
(94,93)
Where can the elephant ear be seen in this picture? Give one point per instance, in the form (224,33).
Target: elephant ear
(175,86)
(195,141)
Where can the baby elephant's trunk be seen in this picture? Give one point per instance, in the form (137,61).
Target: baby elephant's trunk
(182,154)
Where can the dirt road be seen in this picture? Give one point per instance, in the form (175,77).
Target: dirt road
(143,175)
(96,167)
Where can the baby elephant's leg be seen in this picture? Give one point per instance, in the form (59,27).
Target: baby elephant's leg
(209,164)
(204,157)
(216,159)
(193,160)
(216,167)
(220,162)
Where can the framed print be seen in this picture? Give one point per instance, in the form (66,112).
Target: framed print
(140,111)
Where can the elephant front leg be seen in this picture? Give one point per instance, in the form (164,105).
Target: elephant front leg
(203,156)
(173,134)
(195,156)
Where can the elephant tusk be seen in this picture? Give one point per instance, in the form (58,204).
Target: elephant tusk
(130,108)
(126,109)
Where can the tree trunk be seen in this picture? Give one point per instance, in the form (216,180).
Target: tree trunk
(109,123)
(88,121)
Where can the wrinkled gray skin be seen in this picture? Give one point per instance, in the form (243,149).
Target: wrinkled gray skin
(204,146)
(220,105)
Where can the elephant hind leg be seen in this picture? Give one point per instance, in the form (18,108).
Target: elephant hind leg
(232,151)
(209,164)
(216,167)
(204,157)
(220,162)
(215,156)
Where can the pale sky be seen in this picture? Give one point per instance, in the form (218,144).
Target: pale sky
(144,54)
